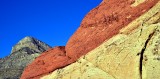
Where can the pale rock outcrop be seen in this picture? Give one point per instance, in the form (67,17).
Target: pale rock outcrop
(151,57)
(82,69)
(133,53)
(137,2)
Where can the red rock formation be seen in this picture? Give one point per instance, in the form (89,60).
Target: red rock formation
(100,24)
(47,62)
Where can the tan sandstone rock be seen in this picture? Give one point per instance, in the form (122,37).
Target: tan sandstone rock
(151,57)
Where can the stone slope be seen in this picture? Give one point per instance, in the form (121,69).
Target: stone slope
(23,53)
(99,25)
(131,54)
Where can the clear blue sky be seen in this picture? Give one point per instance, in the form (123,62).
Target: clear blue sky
(51,21)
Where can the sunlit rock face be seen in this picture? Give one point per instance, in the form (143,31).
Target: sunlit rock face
(103,22)
(110,44)
(23,53)
(133,53)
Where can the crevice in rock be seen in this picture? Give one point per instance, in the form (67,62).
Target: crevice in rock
(142,53)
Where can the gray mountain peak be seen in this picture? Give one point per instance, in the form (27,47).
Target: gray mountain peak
(32,43)
(23,53)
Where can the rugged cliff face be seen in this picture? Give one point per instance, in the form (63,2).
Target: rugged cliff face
(23,53)
(116,40)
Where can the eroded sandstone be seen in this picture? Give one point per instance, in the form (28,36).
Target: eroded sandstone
(48,61)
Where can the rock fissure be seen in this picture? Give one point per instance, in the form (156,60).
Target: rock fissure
(142,53)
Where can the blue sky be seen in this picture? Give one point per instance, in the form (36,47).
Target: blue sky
(51,21)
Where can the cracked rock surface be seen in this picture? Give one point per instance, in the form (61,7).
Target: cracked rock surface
(134,53)
(151,57)
(23,53)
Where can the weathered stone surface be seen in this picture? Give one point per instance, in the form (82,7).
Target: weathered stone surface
(103,22)
(131,54)
(151,57)
(24,52)
(82,69)
(46,63)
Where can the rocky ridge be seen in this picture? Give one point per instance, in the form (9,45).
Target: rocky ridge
(23,53)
